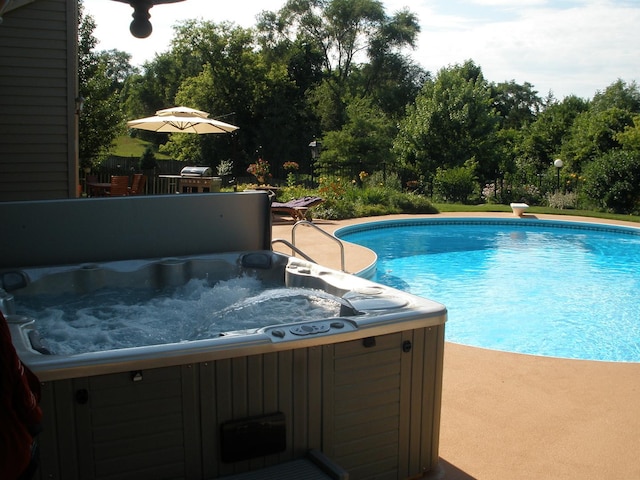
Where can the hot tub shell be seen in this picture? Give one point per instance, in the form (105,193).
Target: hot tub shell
(364,389)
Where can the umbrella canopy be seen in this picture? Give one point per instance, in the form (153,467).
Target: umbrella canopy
(181,120)
(186,111)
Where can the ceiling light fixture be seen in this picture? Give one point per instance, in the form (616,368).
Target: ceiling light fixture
(141,26)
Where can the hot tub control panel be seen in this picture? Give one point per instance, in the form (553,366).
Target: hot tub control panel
(311,328)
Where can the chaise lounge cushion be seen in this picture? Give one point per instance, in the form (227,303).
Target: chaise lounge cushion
(297,208)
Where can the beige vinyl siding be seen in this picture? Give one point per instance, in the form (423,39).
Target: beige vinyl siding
(374,410)
(37,91)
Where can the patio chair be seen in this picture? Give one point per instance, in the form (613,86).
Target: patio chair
(119,186)
(89,190)
(137,184)
(297,208)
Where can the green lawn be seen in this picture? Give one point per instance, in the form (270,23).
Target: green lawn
(446,207)
(126,146)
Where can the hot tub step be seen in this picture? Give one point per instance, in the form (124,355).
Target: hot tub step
(315,467)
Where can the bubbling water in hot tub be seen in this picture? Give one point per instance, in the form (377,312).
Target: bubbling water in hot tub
(109,318)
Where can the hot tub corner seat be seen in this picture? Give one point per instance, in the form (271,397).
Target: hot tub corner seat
(519,208)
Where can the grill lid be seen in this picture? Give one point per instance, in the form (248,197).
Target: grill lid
(196,172)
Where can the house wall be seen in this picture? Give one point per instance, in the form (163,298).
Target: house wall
(38,87)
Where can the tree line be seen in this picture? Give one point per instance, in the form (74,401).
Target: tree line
(337,72)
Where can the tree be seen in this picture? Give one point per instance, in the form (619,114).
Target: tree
(629,138)
(363,144)
(516,105)
(541,142)
(618,95)
(340,29)
(601,129)
(147,160)
(155,88)
(101,120)
(344,32)
(243,85)
(117,65)
(451,122)
(594,133)
(392,81)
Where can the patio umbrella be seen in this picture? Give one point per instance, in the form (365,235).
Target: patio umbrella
(181,120)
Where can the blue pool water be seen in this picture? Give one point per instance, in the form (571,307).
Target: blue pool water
(560,289)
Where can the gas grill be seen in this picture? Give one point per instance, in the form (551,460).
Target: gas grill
(195,180)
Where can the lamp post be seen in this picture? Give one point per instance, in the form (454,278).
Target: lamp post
(558,163)
(79,105)
(315,147)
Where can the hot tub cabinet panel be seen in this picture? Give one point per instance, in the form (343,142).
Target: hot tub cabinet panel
(382,400)
(372,405)
(109,426)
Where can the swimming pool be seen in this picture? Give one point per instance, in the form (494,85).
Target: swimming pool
(541,287)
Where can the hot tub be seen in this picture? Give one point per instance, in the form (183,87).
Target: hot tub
(361,382)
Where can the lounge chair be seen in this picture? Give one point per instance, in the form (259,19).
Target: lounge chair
(297,208)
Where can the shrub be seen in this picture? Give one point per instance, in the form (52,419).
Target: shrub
(364,210)
(455,185)
(261,170)
(344,200)
(224,168)
(562,200)
(335,210)
(528,193)
(379,179)
(373,195)
(613,181)
(490,194)
(148,160)
(413,203)
(295,191)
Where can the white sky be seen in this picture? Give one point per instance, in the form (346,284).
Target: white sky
(563,46)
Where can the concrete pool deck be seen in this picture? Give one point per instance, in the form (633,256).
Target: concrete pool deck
(509,416)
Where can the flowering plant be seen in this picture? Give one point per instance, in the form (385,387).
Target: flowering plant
(225,168)
(261,169)
(290,166)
